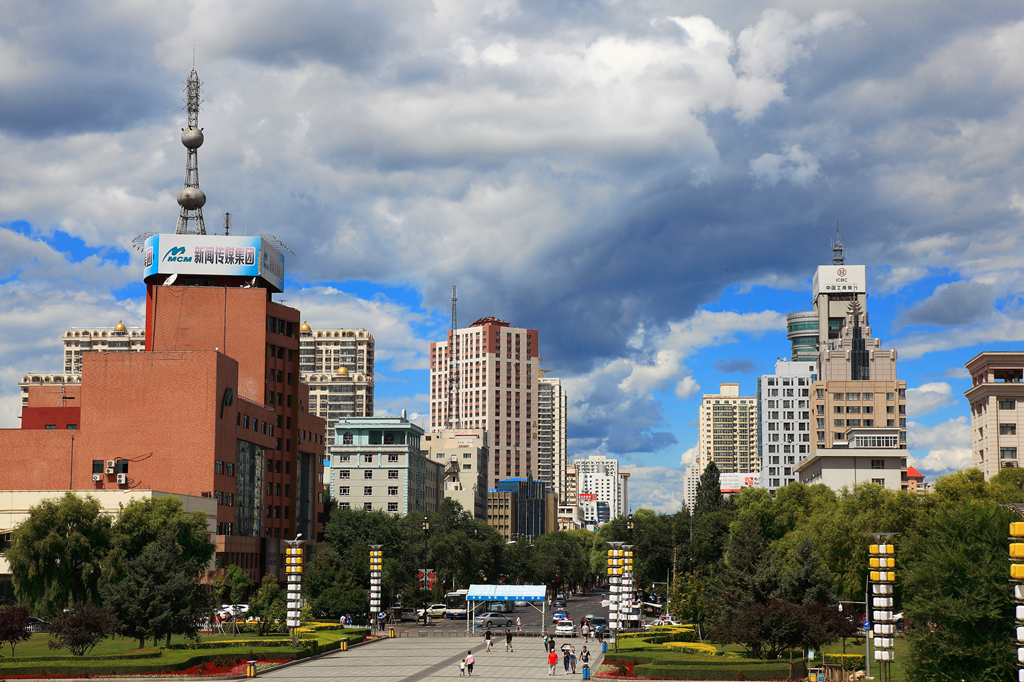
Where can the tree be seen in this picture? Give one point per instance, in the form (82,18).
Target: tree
(808,580)
(159,594)
(57,552)
(142,522)
(709,491)
(14,625)
(330,588)
(957,595)
(81,627)
(268,605)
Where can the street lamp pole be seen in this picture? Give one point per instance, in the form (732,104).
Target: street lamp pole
(425,571)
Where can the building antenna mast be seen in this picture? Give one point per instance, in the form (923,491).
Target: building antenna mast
(191,198)
(838,250)
(454,383)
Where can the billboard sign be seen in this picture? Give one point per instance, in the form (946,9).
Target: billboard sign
(833,279)
(586,497)
(197,254)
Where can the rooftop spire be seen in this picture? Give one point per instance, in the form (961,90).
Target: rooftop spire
(191,198)
(838,250)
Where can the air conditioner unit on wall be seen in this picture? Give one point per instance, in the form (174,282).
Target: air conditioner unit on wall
(122,479)
(97,477)
(109,470)
(110,464)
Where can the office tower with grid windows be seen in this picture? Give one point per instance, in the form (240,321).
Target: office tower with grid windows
(784,415)
(602,489)
(485,377)
(728,431)
(118,338)
(552,454)
(996,397)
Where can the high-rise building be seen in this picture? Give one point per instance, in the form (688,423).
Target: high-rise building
(377,463)
(325,351)
(784,415)
(728,430)
(484,377)
(603,494)
(464,454)
(522,509)
(996,397)
(118,338)
(213,407)
(552,445)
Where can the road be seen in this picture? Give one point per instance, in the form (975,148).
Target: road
(577,605)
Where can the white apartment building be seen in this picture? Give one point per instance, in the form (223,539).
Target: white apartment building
(118,338)
(996,397)
(493,367)
(690,480)
(728,430)
(464,455)
(602,489)
(784,415)
(552,444)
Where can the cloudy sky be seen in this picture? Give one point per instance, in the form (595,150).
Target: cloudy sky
(651,184)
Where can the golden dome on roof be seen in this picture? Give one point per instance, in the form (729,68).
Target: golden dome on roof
(341,370)
(305,327)
(119,327)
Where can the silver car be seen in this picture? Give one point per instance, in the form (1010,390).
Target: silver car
(493,618)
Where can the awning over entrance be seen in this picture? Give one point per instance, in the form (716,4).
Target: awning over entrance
(506,593)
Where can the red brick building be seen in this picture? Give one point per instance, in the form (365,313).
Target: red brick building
(213,407)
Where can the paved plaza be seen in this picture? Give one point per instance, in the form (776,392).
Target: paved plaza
(412,659)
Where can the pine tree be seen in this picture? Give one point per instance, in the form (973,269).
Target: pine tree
(709,491)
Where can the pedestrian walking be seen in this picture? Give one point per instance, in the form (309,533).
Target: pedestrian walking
(586,631)
(572,659)
(552,662)
(469,663)
(585,660)
(519,625)
(462,668)
(565,657)
(487,638)
(508,640)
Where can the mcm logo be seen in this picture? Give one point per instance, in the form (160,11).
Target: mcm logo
(176,254)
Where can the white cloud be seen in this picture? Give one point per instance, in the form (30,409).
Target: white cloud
(657,487)
(927,398)
(794,165)
(689,456)
(946,445)
(897,278)
(687,388)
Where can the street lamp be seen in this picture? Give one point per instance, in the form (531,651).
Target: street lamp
(425,571)
(616,563)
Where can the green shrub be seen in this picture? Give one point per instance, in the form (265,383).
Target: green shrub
(848,661)
(736,670)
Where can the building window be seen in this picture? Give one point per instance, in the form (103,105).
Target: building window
(393,474)
(368,506)
(878,481)
(218,466)
(343,491)
(392,459)
(344,473)
(878,464)
(367,490)
(344,505)
(346,438)
(1007,429)
(1004,404)
(368,459)
(393,491)
(392,506)
(1007,453)
(97,466)
(368,473)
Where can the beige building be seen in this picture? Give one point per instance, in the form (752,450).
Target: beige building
(377,463)
(492,368)
(324,351)
(339,395)
(728,431)
(552,444)
(846,467)
(996,397)
(464,455)
(116,339)
(570,515)
(15,506)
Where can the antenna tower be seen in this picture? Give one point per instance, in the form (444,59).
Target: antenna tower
(191,198)
(227,224)
(838,250)
(454,383)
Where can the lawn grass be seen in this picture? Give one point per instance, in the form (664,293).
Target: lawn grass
(122,656)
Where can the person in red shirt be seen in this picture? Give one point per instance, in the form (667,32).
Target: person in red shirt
(552,662)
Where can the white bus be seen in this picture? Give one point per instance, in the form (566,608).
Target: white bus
(455,604)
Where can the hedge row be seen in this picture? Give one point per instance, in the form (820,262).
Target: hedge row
(678,658)
(232,643)
(698,671)
(113,657)
(848,661)
(80,667)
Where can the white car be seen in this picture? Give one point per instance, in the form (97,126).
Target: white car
(494,619)
(565,628)
(660,622)
(434,611)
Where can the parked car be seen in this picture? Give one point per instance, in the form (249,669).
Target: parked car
(407,614)
(659,622)
(558,603)
(559,614)
(501,607)
(565,628)
(597,620)
(434,611)
(494,619)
